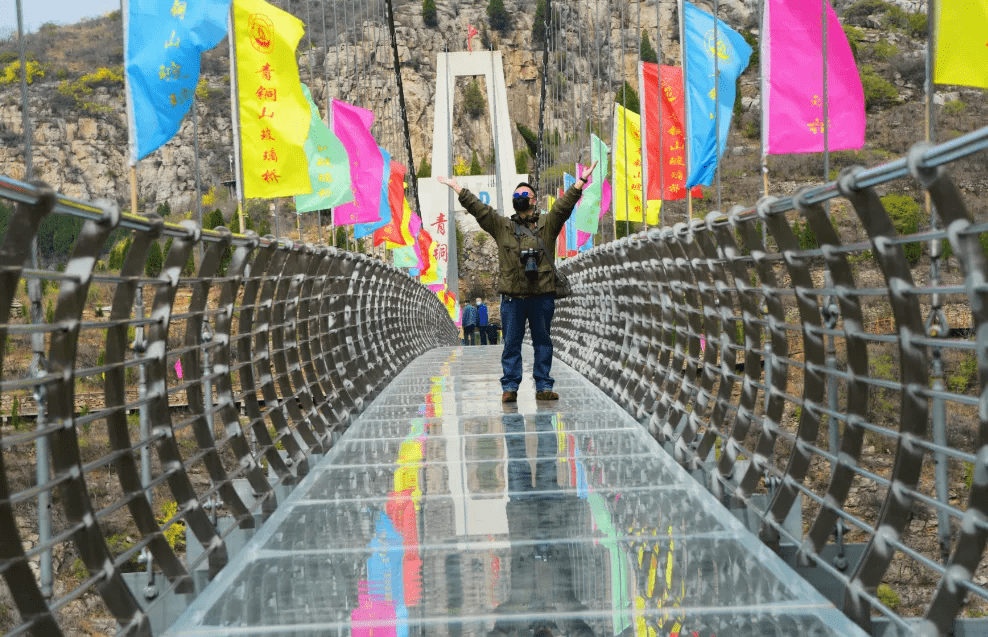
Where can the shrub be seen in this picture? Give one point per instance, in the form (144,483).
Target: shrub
(854,37)
(805,235)
(12,72)
(429,15)
(628,98)
(877,90)
(888,596)
(884,50)
(152,267)
(174,534)
(164,209)
(531,139)
(648,54)
(966,374)
(538,24)
(954,107)
(460,167)
(213,219)
(425,169)
(473,100)
(865,8)
(115,261)
(498,15)
(905,214)
(475,168)
(521,162)
(15,414)
(79,90)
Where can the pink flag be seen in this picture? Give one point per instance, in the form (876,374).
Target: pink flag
(792,81)
(352,125)
(471,31)
(178,368)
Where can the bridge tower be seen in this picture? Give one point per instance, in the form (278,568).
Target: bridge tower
(439,205)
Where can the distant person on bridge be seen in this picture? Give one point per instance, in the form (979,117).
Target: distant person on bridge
(526,253)
(469,318)
(482,321)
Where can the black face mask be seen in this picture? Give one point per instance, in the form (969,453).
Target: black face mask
(521,204)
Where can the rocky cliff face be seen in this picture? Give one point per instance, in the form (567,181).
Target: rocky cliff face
(84,154)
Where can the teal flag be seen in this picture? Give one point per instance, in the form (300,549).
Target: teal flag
(163,40)
(588,213)
(329,166)
(705,96)
(405,257)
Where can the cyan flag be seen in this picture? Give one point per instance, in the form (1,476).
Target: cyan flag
(363,229)
(164,39)
(569,180)
(329,166)
(733,54)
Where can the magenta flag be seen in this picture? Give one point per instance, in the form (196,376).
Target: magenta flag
(792,81)
(178,368)
(352,125)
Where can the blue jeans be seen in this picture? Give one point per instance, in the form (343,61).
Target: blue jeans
(515,312)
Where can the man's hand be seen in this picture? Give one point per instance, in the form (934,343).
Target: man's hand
(450,182)
(587,173)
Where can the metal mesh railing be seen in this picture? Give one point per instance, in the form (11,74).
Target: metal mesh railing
(137,403)
(803,354)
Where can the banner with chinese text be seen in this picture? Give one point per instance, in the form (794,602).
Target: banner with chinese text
(271,101)
(627,165)
(792,81)
(352,125)
(329,166)
(164,41)
(709,102)
(664,136)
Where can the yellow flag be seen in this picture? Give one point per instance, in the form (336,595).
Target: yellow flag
(627,165)
(274,115)
(962,43)
(652,209)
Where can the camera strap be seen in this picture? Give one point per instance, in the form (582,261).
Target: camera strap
(519,229)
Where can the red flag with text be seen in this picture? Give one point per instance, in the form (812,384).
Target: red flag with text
(664,117)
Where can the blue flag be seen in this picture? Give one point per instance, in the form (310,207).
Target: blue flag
(363,229)
(164,39)
(733,54)
(569,180)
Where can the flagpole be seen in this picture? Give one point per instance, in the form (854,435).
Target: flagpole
(658,59)
(930,86)
(686,111)
(235,108)
(717,100)
(763,60)
(131,119)
(826,106)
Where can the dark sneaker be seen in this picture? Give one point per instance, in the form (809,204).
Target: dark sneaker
(509,397)
(546,395)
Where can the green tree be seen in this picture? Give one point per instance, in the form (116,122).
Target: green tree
(475,167)
(164,209)
(498,15)
(152,267)
(905,214)
(538,25)
(648,54)
(473,100)
(628,98)
(521,162)
(425,169)
(531,139)
(213,219)
(429,15)
(190,264)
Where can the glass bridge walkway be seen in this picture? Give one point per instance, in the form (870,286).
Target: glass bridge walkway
(443,512)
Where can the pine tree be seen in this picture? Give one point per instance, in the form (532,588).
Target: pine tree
(425,169)
(429,15)
(628,98)
(648,54)
(475,168)
(538,26)
(152,267)
(473,100)
(498,15)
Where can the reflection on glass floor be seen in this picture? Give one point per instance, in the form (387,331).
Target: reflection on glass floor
(442,512)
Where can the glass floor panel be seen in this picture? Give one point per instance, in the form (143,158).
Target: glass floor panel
(443,511)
